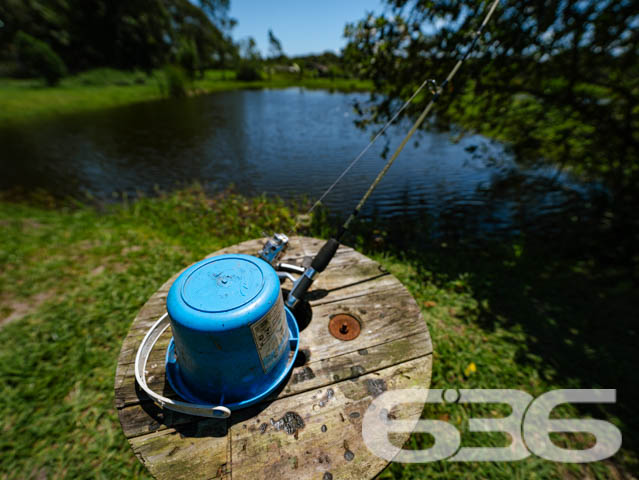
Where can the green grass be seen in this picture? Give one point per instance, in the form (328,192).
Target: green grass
(496,325)
(28,100)
(78,275)
(96,269)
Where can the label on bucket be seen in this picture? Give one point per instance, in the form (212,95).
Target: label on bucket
(271,334)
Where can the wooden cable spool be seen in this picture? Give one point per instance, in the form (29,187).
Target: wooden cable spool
(312,427)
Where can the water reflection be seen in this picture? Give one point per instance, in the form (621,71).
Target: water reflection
(285,142)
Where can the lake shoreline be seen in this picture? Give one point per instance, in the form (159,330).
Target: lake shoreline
(28,100)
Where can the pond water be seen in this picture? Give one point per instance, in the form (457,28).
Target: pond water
(288,142)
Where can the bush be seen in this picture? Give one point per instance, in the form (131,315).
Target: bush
(188,58)
(175,81)
(108,76)
(248,73)
(39,59)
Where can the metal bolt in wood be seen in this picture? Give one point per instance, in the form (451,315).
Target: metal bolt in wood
(344,326)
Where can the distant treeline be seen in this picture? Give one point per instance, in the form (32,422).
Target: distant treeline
(120,33)
(50,38)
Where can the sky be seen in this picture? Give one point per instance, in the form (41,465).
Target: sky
(302,26)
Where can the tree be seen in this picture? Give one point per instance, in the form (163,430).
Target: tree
(118,33)
(249,51)
(250,61)
(275,46)
(218,12)
(188,58)
(39,59)
(557,79)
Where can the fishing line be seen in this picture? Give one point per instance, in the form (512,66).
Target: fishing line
(366,148)
(436,94)
(326,253)
(417,123)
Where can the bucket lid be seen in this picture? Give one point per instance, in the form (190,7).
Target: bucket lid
(223,292)
(222,285)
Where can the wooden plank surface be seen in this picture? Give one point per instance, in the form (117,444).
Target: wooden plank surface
(328,391)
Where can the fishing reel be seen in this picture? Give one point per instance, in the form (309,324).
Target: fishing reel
(275,247)
(271,253)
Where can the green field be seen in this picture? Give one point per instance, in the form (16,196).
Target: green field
(515,315)
(27,100)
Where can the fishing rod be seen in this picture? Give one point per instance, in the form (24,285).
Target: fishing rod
(227,312)
(276,245)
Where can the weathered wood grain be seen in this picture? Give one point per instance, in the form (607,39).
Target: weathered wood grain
(143,418)
(393,350)
(262,448)
(332,419)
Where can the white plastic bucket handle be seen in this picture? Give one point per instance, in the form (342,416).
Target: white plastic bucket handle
(141,358)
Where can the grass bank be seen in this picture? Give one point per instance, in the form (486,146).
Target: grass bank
(73,278)
(28,100)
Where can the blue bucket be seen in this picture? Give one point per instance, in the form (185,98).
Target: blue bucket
(234,342)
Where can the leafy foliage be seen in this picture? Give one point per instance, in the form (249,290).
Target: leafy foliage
(248,73)
(251,59)
(188,58)
(274,46)
(39,59)
(558,79)
(121,34)
(176,81)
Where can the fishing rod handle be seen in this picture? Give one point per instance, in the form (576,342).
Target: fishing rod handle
(318,265)
(325,255)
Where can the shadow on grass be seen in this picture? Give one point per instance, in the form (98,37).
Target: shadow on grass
(570,294)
